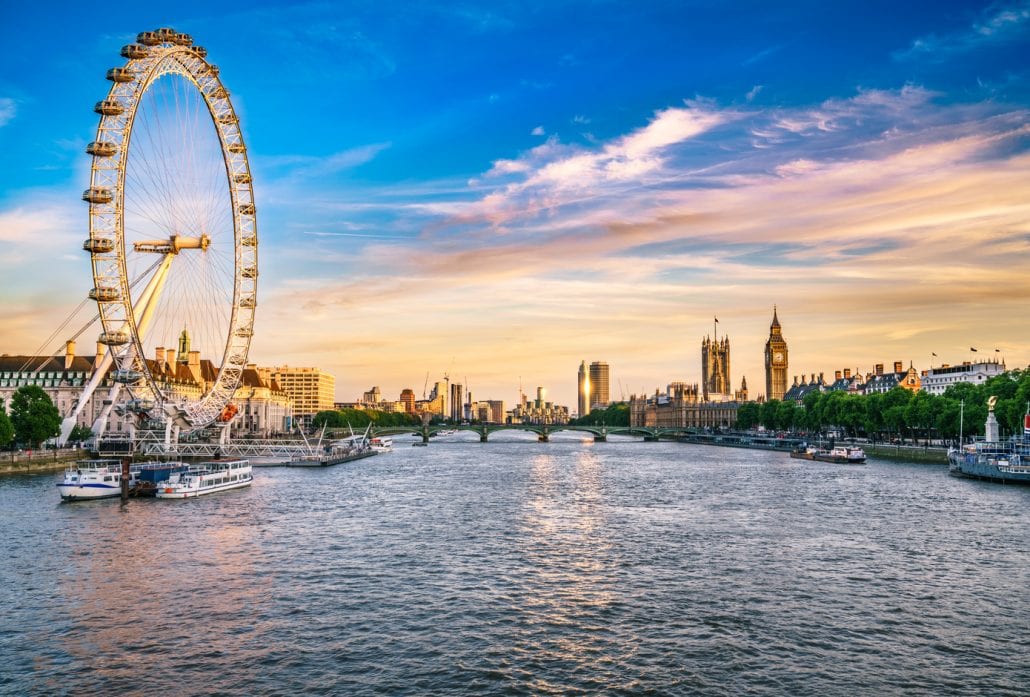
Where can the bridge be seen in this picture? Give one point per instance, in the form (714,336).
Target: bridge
(542,431)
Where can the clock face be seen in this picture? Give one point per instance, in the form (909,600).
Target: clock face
(778,357)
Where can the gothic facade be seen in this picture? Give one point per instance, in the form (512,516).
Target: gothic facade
(775,361)
(715,369)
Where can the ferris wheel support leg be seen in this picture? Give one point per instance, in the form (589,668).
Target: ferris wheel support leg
(100,425)
(87,392)
(146,304)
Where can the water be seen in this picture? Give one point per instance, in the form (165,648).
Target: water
(525,568)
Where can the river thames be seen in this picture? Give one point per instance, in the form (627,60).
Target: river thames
(525,568)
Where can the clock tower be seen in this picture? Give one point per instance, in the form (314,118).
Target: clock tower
(775,361)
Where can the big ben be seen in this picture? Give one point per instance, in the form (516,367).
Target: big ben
(775,361)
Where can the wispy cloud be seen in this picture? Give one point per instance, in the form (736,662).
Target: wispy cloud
(8,109)
(312,166)
(997,25)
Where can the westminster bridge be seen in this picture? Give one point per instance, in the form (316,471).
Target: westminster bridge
(542,431)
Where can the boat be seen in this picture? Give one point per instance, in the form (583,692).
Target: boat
(381,444)
(1007,461)
(147,475)
(91,479)
(992,458)
(206,478)
(840,455)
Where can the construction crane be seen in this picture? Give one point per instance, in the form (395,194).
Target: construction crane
(622,393)
(425,386)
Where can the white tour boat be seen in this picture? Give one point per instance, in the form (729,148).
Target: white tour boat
(91,479)
(381,444)
(206,478)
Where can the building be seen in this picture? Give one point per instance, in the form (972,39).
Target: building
(937,380)
(775,361)
(583,389)
(408,399)
(599,395)
(715,369)
(681,406)
(883,381)
(261,406)
(457,403)
(372,397)
(311,389)
(800,389)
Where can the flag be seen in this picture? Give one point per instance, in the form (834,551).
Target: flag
(997,350)
(972,349)
(717,319)
(934,355)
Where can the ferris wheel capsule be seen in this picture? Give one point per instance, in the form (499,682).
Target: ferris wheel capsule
(101,149)
(98,245)
(134,51)
(120,75)
(109,107)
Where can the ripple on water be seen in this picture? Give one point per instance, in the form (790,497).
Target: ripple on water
(525,568)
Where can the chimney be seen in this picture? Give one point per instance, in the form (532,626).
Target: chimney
(837,375)
(897,367)
(170,358)
(795,379)
(100,351)
(821,381)
(69,354)
(879,368)
(194,359)
(847,373)
(159,356)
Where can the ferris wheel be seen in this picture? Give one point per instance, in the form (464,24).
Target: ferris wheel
(172,234)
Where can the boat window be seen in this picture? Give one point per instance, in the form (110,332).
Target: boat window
(107,478)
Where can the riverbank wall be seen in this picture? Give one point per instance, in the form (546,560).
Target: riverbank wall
(39,462)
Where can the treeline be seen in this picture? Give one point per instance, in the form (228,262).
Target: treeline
(899,413)
(360,418)
(616,414)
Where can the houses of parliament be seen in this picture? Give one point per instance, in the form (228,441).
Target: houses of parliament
(713,403)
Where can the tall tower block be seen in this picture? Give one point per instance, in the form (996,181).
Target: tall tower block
(775,361)
(583,389)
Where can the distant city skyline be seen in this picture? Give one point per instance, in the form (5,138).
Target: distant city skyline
(500,193)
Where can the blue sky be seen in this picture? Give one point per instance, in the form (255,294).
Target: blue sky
(501,190)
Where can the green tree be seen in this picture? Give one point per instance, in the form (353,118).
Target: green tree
(748,415)
(6,429)
(769,414)
(33,415)
(80,433)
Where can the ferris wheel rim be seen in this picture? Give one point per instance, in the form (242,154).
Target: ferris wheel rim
(157,54)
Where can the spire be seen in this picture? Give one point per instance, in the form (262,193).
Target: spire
(776,320)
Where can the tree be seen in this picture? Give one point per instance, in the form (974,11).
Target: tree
(748,415)
(769,414)
(80,433)
(33,415)
(6,429)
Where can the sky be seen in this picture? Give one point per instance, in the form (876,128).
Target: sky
(498,191)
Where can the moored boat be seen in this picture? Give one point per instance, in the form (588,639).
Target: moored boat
(840,455)
(206,478)
(1007,462)
(91,479)
(992,458)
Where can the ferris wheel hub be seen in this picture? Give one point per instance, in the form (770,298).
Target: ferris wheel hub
(173,245)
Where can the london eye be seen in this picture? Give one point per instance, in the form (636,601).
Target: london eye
(172,236)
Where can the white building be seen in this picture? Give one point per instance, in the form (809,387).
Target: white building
(937,380)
